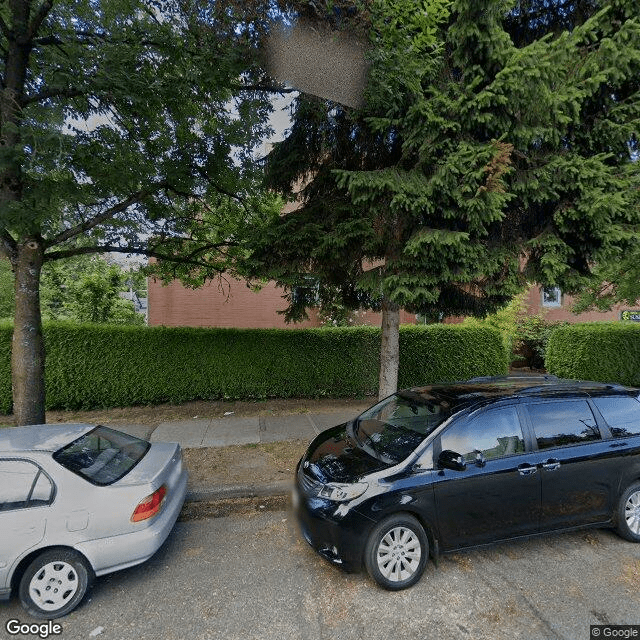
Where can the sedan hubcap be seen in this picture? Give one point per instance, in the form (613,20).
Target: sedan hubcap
(53,586)
(399,554)
(632,512)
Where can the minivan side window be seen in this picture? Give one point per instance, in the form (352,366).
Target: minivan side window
(564,422)
(22,485)
(495,434)
(622,414)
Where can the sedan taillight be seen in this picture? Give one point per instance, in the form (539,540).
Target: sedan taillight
(150,506)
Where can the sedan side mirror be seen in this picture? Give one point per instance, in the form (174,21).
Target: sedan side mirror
(451,460)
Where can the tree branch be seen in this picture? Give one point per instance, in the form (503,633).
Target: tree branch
(217,187)
(38,19)
(150,253)
(8,245)
(271,88)
(47,40)
(51,93)
(4,28)
(89,224)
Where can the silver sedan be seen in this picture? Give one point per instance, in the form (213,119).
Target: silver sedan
(79,501)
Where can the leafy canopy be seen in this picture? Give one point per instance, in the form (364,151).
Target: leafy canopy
(133,128)
(495,148)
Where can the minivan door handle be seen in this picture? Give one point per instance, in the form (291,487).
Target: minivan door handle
(551,464)
(526,469)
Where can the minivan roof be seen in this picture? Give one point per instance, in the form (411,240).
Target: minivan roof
(477,390)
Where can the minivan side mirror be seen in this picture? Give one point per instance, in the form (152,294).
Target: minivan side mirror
(451,460)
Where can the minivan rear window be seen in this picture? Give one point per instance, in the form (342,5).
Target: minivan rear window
(102,456)
(622,414)
(560,423)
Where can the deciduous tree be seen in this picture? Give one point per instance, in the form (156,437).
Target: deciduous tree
(127,126)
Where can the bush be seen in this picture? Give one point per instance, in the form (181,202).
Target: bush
(445,352)
(504,320)
(532,338)
(94,366)
(601,351)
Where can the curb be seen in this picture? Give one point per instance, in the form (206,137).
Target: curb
(210,494)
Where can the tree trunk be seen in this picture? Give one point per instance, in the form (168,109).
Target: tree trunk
(27,355)
(390,349)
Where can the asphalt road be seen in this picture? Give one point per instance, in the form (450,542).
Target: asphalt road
(248,575)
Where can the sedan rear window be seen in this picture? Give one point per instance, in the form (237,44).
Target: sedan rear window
(102,456)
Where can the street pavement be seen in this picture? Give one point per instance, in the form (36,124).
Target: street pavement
(251,576)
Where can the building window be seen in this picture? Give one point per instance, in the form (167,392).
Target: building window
(551,297)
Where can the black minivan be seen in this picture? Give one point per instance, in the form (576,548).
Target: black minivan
(447,466)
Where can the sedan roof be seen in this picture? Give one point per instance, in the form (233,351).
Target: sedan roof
(40,437)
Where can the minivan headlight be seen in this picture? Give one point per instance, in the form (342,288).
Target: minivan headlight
(340,492)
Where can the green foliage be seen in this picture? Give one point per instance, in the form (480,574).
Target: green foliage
(6,331)
(495,139)
(126,126)
(7,295)
(532,338)
(443,353)
(616,280)
(94,366)
(86,289)
(504,320)
(602,351)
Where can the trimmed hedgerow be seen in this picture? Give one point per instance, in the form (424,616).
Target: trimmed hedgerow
(443,353)
(96,366)
(601,351)
(6,332)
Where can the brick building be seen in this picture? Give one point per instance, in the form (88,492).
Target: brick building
(232,304)
(555,306)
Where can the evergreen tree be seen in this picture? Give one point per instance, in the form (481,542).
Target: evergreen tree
(495,148)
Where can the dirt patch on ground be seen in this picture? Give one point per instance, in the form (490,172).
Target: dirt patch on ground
(242,506)
(243,464)
(153,416)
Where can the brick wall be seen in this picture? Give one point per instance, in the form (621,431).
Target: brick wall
(555,314)
(230,303)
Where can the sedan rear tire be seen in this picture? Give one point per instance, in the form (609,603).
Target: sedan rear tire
(397,552)
(54,583)
(628,517)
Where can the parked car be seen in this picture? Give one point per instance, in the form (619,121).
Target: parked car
(447,466)
(79,501)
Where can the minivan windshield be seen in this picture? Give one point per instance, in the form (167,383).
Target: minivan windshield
(392,429)
(102,456)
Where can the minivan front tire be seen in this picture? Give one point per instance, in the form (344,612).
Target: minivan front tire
(628,517)
(397,551)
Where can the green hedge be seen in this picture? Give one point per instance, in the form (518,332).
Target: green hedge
(601,351)
(105,366)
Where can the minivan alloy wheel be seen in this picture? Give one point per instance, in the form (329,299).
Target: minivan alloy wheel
(632,512)
(628,517)
(399,554)
(397,551)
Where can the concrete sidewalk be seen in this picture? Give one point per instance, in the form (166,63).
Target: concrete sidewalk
(223,432)
(231,430)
